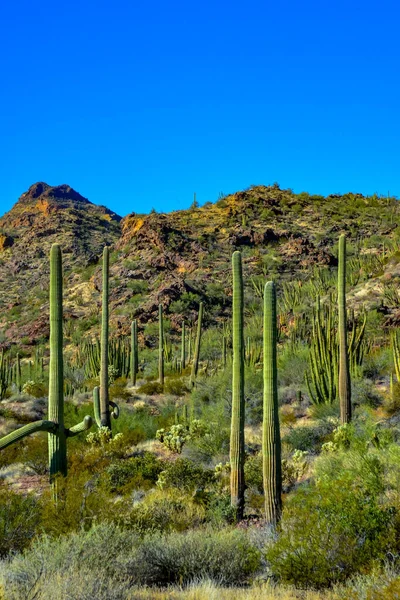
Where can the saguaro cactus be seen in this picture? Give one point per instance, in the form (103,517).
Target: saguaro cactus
(238,403)
(58,434)
(104,395)
(344,385)
(196,357)
(161,348)
(271,440)
(134,352)
(183,346)
(19,373)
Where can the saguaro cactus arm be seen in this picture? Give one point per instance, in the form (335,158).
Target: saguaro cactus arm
(115,407)
(19,434)
(96,406)
(80,427)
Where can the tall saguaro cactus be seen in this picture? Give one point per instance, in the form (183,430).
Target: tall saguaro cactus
(196,357)
(271,440)
(183,346)
(57,442)
(58,434)
(161,349)
(238,403)
(134,351)
(104,395)
(344,385)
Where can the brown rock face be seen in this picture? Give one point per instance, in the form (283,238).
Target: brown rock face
(6,241)
(45,215)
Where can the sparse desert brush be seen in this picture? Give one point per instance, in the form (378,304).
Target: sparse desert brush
(161,511)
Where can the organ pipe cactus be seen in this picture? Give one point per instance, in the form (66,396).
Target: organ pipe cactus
(57,433)
(344,385)
(238,401)
(322,376)
(196,357)
(161,348)
(104,394)
(134,351)
(271,440)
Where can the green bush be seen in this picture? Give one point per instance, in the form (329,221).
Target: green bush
(162,511)
(227,557)
(137,472)
(184,474)
(45,569)
(20,520)
(151,388)
(310,438)
(330,531)
(175,386)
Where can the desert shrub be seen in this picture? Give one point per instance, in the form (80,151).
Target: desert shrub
(101,551)
(219,509)
(309,438)
(330,531)
(293,468)
(391,403)
(378,363)
(34,388)
(19,521)
(137,472)
(227,557)
(293,363)
(150,388)
(175,386)
(184,474)
(381,584)
(364,392)
(162,511)
(118,389)
(82,501)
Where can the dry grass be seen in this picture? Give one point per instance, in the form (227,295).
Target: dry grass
(209,591)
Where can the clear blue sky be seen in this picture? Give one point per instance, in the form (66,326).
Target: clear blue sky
(139,104)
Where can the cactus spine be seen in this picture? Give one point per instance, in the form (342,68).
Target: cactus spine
(344,386)
(134,352)
(271,440)
(183,346)
(196,357)
(57,434)
(238,402)
(104,395)
(161,346)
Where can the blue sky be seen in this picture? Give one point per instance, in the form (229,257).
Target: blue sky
(139,104)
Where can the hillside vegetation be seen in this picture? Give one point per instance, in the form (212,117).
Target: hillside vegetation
(149,508)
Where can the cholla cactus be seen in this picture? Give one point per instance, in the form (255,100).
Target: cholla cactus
(174,439)
(103,438)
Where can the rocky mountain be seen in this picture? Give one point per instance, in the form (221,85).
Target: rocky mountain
(175,259)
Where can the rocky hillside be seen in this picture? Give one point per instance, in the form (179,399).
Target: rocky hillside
(42,216)
(177,258)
